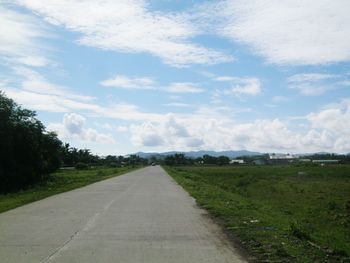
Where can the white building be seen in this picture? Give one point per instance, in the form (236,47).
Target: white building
(280,156)
(237,161)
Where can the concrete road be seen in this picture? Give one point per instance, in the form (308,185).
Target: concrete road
(142,216)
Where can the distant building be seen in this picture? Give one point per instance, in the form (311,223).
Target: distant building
(288,156)
(280,158)
(304,160)
(237,161)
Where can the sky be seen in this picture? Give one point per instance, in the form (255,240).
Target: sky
(124,76)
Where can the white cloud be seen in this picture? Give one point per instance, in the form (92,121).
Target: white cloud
(335,118)
(169,134)
(29,88)
(200,131)
(205,128)
(184,87)
(128,112)
(216,97)
(57,102)
(146,134)
(312,84)
(31,80)
(280,99)
(73,123)
(244,86)
(175,97)
(147,83)
(128,26)
(32,90)
(178,104)
(309,89)
(333,122)
(72,127)
(34,61)
(121,129)
(215,128)
(21,38)
(125,82)
(112,127)
(310,77)
(225,78)
(36,101)
(302,32)
(239,86)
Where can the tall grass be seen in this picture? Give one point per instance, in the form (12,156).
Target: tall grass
(284,214)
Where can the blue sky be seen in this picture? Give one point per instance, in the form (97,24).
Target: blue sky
(135,75)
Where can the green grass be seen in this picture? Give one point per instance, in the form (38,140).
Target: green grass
(59,182)
(278,215)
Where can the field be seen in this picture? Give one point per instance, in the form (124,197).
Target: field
(59,182)
(278,213)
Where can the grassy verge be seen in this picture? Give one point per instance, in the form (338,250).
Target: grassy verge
(280,214)
(59,182)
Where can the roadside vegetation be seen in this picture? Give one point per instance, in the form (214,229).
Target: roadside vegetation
(29,154)
(279,213)
(58,182)
(35,163)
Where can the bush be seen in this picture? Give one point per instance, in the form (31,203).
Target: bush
(81,166)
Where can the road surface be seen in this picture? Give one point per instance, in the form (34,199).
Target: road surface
(142,216)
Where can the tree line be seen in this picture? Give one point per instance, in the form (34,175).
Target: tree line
(181,159)
(29,153)
(83,158)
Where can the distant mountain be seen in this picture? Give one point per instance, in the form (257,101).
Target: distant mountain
(196,154)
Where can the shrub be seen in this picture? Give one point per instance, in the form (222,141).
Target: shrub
(298,232)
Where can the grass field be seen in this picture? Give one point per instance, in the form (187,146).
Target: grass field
(59,182)
(278,213)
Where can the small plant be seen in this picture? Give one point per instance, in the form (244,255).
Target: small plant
(242,182)
(347,209)
(332,205)
(298,232)
(347,213)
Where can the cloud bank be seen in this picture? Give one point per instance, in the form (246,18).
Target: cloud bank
(129,26)
(301,32)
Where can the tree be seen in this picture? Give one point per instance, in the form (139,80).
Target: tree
(222,160)
(27,152)
(51,154)
(207,159)
(177,159)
